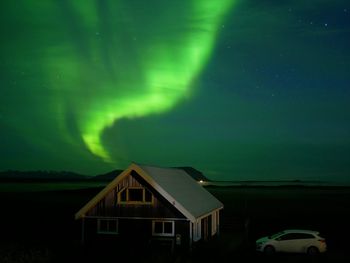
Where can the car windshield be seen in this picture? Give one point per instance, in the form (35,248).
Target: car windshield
(276,235)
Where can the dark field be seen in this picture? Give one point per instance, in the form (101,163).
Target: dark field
(40,226)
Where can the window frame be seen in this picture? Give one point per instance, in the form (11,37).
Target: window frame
(296,236)
(143,202)
(163,227)
(133,192)
(108,220)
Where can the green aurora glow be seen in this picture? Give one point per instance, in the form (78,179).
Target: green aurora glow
(154,79)
(253,89)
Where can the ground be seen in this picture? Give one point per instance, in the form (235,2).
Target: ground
(39,226)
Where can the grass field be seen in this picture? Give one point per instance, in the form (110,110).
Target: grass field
(10,187)
(39,226)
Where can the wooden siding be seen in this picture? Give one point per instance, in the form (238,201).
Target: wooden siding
(109,206)
(131,231)
(182,228)
(206,227)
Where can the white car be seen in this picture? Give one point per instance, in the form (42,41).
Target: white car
(293,241)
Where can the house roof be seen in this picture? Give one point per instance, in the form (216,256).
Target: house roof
(175,185)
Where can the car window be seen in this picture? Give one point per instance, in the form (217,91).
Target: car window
(292,236)
(305,236)
(276,235)
(287,236)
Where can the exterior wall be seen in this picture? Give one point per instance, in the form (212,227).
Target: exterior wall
(182,233)
(215,222)
(110,207)
(135,219)
(137,230)
(206,227)
(89,229)
(197,233)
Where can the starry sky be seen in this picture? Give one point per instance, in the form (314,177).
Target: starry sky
(239,89)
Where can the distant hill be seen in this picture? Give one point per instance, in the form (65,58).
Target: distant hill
(197,175)
(109,176)
(13,175)
(30,176)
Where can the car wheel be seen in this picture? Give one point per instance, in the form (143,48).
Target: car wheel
(269,250)
(312,251)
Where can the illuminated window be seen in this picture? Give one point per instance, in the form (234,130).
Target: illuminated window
(135,195)
(163,228)
(107,226)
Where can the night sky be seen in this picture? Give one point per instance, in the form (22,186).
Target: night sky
(241,90)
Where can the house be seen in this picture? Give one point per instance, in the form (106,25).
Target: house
(152,203)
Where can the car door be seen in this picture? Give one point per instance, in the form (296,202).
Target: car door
(287,243)
(304,242)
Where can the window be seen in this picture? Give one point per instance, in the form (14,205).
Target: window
(168,228)
(107,226)
(122,196)
(163,228)
(293,236)
(304,236)
(287,237)
(135,195)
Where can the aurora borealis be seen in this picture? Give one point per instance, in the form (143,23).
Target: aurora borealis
(167,71)
(237,89)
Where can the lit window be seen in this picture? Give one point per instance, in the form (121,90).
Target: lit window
(163,228)
(107,226)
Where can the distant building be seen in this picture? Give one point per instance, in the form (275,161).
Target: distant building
(152,203)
